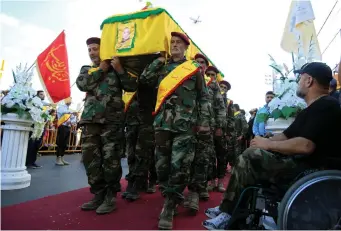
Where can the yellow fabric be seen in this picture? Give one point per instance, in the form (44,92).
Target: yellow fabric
(219,78)
(92,69)
(148,36)
(208,80)
(173,80)
(2,67)
(63,119)
(305,29)
(236,113)
(127,97)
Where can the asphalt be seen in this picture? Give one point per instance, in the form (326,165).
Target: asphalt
(51,179)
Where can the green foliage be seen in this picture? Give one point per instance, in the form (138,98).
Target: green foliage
(276,114)
(262,117)
(15,109)
(289,112)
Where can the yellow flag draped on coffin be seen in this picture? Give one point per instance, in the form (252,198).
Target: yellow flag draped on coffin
(173,80)
(140,33)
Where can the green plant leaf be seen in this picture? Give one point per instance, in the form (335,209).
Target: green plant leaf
(262,117)
(289,111)
(276,114)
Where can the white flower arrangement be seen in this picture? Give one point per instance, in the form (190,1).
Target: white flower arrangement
(22,100)
(286,103)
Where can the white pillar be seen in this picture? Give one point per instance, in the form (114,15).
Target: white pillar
(14,150)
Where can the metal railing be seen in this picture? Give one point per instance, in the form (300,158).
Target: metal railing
(49,145)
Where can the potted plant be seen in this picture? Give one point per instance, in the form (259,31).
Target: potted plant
(20,108)
(283,109)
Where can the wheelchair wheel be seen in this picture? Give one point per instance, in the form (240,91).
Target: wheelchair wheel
(313,202)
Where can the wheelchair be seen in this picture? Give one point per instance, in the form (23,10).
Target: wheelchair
(312,202)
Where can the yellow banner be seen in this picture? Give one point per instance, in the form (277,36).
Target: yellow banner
(127,99)
(173,80)
(63,119)
(299,34)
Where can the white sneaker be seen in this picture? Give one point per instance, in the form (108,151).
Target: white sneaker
(217,223)
(212,212)
(268,223)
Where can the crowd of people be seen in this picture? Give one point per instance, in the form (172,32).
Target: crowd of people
(178,134)
(56,134)
(179,129)
(182,131)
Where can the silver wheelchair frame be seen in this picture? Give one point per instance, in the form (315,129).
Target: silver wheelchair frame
(249,218)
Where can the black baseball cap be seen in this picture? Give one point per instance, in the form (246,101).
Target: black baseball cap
(319,71)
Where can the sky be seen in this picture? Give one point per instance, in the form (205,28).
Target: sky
(236,35)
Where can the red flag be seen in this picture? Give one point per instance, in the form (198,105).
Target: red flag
(53,70)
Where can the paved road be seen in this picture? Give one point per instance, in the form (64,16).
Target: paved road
(51,180)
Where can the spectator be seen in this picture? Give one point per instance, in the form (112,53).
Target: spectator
(249,134)
(332,89)
(259,127)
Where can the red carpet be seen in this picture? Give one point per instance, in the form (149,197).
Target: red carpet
(62,211)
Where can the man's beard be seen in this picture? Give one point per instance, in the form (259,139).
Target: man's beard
(300,93)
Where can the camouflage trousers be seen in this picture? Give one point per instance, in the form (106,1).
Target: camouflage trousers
(174,154)
(252,167)
(231,157)
(204,151)
(101,156)
(131,141)
(238,148)
(144,156)
(219,160)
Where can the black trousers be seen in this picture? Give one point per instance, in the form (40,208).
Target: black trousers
(32,150)
(63,135)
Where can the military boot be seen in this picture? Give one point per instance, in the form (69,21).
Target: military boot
(151,187)
(212,185)
(143,186)
(128,189)
(166,215)
(204,195)
(109,203)
(221,187)
(94,203)
(133,194)
(193,204)
(187,199)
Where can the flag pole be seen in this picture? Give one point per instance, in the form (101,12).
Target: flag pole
(33,64)
(293,61)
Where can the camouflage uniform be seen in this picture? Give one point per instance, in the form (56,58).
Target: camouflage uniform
(143,168)
(174,133)
(252,167)
(102,118)
(132,127)
(241,127)
(230,135)
(206,154)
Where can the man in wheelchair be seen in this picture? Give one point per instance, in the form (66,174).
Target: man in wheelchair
(306,143)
